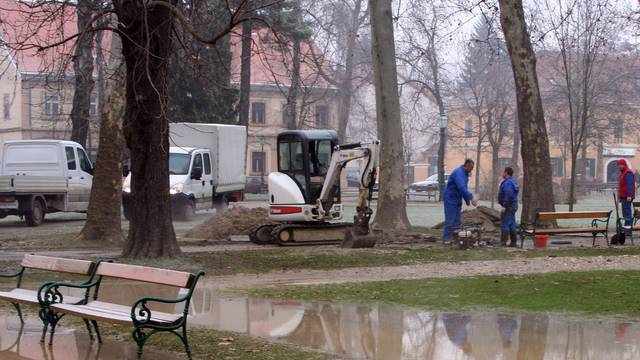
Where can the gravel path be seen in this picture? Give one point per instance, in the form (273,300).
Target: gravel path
(431,270)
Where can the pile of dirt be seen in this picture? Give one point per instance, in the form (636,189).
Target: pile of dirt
(238,220)
(487,217)
(404,238)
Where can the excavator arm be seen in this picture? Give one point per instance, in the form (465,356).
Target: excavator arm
(359,235)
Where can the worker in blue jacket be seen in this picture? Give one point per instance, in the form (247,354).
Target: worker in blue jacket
(508,199)
(454,193)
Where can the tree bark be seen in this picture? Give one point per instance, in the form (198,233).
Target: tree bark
(515,150)
(292,96)
(83,73)
(478,159)
(392,212)
(346,86)
(245,74)
(146,48)
(104,222)
(537,190)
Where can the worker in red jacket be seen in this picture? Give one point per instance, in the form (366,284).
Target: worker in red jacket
(626,193)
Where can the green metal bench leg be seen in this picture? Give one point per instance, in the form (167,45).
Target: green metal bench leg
(185,341)
(86,323)
(53,321)
(17,306)
(140,338)
(43,315)
(97,329)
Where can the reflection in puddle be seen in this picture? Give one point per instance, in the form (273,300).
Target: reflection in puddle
(23,342)
(378,331)
(388,332)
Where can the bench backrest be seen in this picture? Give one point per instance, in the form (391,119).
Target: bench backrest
(48,263)
(146,274)
(573,215)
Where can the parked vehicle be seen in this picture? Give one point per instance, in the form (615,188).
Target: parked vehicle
(44,176)
(256,185)
(206,168)
(431,184)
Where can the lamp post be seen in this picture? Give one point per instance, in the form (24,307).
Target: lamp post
(263,142)
(443,122)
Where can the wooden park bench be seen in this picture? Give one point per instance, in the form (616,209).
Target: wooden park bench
(140,316)
(19,295)
(599,224)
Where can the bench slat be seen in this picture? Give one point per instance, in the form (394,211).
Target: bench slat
(572,215)
(111,313)
(71,266)
(25,296)
(570,230)
(146,274)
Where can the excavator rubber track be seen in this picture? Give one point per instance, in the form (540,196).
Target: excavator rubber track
(309,233)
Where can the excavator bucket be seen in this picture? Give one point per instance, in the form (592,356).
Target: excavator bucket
(354,239)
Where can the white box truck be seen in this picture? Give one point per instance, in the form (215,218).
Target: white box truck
(43,176)
(206,167)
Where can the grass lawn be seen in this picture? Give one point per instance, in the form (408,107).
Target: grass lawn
(590,293)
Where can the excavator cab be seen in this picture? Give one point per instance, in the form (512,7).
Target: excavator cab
(305,156)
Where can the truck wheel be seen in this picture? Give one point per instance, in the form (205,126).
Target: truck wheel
(36,216)
(221,204)
(188,211)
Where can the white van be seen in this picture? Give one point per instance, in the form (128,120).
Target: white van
(43,176)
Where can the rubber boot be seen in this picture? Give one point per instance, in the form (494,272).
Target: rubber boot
(514,238)
(504,236)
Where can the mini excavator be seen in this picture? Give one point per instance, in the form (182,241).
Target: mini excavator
(304,194)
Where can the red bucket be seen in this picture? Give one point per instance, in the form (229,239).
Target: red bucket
(541,241)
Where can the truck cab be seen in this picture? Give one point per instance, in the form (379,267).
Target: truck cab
(190,181)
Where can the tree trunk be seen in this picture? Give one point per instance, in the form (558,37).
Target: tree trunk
(83,73)
(346,86)
(245,74)
(494,175)
(292,96)
(515,150)
(572,180)
(392,211)
(104,222)
(537,190)
(478,158)
(146,48)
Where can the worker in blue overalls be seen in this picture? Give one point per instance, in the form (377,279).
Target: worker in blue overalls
(508,199)
(454,193)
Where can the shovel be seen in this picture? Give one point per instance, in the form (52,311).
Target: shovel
(619,237)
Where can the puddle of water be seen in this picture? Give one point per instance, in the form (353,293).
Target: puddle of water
(23,342)
(385,332)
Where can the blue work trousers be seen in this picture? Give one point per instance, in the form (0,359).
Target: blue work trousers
(627,214)
(508,219)
(452,214)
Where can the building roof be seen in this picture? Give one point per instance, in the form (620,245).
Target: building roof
(271,61)
(26,27)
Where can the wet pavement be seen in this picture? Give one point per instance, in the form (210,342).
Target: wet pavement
(351,331)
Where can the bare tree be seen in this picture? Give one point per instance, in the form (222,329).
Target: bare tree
(83,73)
(537,187)
(581,31)
(104,222)
(392,212)
(424,42)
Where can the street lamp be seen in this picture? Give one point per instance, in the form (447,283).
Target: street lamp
(263,142)
(442,123)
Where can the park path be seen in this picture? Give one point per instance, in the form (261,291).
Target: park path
(423,271)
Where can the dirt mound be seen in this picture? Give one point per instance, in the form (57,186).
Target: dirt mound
(237,221)
(487,217)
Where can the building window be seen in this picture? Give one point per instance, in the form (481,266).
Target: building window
(257,162)
(51,105)
(557,167)
(433,165)
(468,128)
(618,130)
(6,106)
(322,116)
(258,113)
(93,106)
